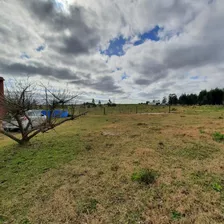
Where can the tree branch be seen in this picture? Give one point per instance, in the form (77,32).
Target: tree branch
(10,136)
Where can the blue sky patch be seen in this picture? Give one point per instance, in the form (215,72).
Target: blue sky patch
(115,47)
(40,48)
(150,35)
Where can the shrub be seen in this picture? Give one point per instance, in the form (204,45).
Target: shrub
(217,136)
(176,215)
(217,187)
(145,176)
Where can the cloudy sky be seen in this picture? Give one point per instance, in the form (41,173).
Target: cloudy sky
(126,50)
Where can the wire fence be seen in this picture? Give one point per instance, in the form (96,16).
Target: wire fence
(123,109)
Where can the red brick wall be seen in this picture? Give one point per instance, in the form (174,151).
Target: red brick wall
(1,95)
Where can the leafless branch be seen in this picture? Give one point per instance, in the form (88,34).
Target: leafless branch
(21,97)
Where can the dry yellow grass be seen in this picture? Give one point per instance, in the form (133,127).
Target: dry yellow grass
(96,186)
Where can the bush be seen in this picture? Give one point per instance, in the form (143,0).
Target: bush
(145,176)
(217,136)
(176,215)
(217,187)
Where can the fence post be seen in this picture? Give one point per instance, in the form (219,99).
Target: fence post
(136,109)
(104,111)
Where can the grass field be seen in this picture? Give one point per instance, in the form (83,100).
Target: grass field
(119,168)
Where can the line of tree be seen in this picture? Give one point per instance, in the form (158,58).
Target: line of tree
(212,97)
(93,104)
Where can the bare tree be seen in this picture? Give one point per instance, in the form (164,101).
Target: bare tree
(22,97)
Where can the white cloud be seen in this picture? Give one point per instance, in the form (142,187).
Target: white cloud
(190,45)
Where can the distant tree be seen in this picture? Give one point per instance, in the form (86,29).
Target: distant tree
(110,104)
(93,103)
(203,97)
(212,97)
(190,99)
(164,101)
(147,103)
(216,96)
(173,100)
(99,103)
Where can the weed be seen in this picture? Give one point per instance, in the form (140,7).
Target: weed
(202,131)
(204,179)
(3,219)
(175,215)
(218,137)
(217,187)
(145,176)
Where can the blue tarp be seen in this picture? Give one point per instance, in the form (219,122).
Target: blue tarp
(56,113)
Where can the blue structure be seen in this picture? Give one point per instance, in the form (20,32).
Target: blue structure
(56,113)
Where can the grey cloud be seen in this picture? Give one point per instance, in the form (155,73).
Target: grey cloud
(154,93)
(151,72)
(81,38)
(19,69)
(107,84)
(194,56)
(104,84)
(143,82)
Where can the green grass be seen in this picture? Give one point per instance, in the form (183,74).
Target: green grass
(217,187)
(176,215)
(145,176)
(197,151)
(217,136)
(21,164)
(90,170)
